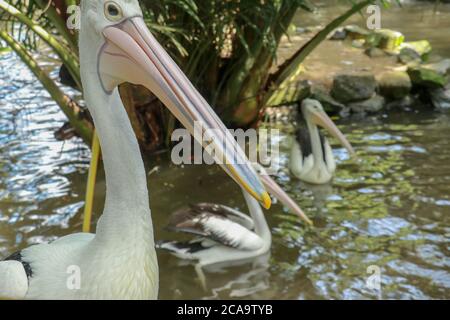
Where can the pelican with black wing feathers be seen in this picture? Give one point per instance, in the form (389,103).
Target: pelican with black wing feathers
(225,236)
(119,261)
(311,158)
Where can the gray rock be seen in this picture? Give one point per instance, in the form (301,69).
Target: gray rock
(339,34)
(328,102)
(404,103)
(394,84)
(301,30)
(422,47)
(409,56)
(358,43)
(371,105)
(440,97)
(309,29)
(375,52)
(353,87)
(442,67)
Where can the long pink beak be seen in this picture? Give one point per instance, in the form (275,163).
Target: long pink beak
(320,118)
(281,195)
(132,54)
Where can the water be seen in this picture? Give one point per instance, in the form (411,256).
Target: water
(390,208)
(416,20)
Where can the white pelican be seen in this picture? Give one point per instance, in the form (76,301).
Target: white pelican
(311,158)
(119,261)
(225,236)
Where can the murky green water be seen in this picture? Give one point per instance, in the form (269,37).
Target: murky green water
(390,208)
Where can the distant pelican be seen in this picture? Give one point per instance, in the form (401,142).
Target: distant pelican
(311,158)
(119,262)
(225,236)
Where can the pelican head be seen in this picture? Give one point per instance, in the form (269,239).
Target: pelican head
(314,114)
(122,49)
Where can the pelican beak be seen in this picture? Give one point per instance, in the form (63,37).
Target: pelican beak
(320,118)
(281,195)
(132,54)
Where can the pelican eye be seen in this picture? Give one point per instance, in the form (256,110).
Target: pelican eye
(113,11)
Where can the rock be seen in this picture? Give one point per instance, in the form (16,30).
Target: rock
(375,52)
(339,34)
(356,32)
(353,87)
(441,67)
(422,47)
(358,43)
(428,78)
(371,105)
(440,98)
(394,84)
(309,29)
(404,103)
(328,102)
(409,56)
(390,40)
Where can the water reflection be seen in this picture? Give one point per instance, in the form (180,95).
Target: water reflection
(389,209)
(37,173)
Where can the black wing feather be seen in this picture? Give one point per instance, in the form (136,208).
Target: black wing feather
(187,219)
(304,140)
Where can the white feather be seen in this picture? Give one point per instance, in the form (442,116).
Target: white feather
(307,169)
(226,242)
(237,235)
(331,163)
(13,280)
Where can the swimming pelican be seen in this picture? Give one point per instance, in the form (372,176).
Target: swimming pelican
(311,158)
(225,236)
(119,261)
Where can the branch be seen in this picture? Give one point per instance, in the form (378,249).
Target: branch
(59,23)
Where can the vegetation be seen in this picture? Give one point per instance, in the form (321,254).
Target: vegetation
(227,48)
